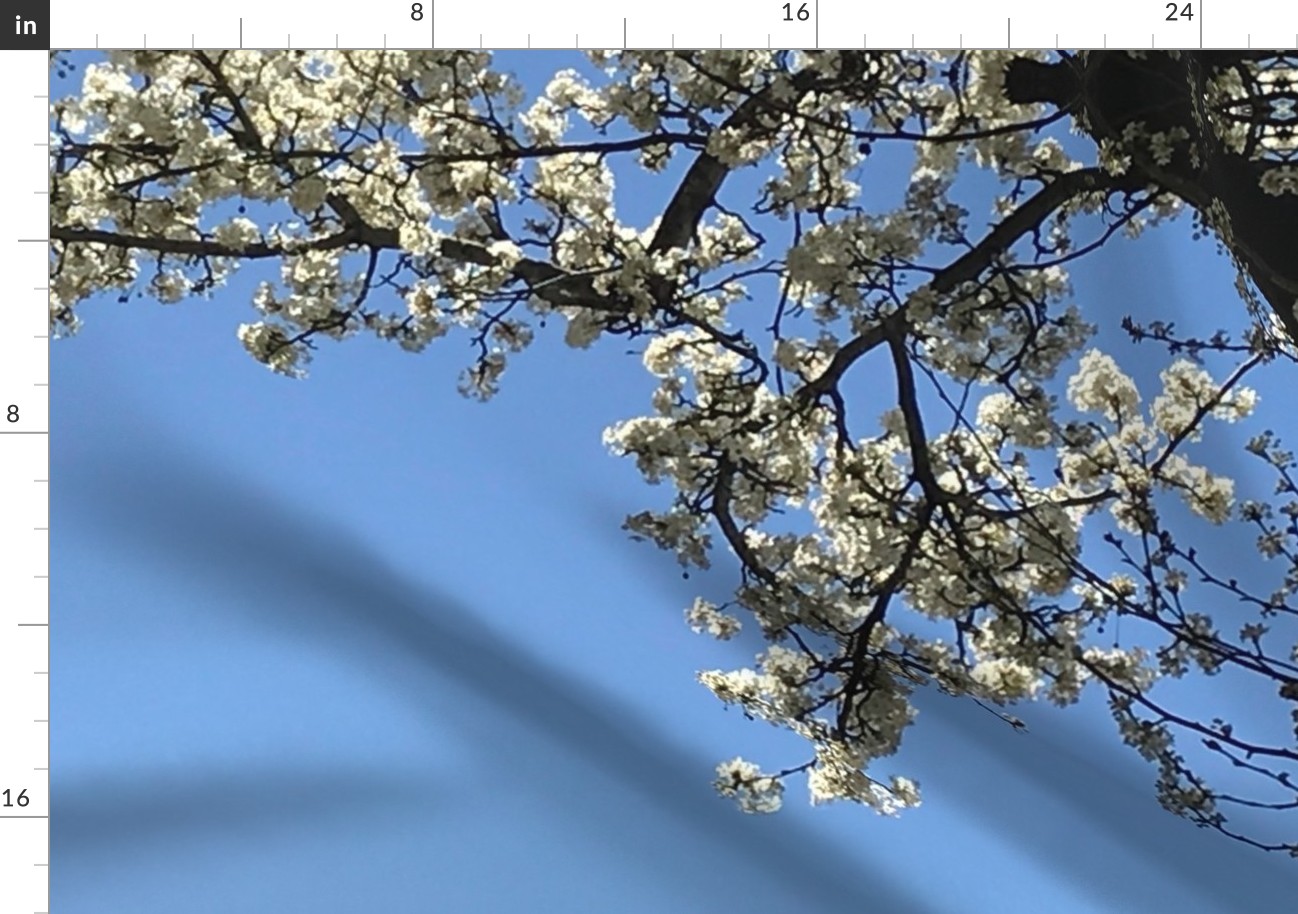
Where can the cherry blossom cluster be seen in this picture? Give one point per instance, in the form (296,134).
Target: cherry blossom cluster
(413,195)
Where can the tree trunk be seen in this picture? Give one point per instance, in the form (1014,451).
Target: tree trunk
(1236,162)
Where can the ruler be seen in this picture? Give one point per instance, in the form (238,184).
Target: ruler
(88,24)
(24,469)
(677,23)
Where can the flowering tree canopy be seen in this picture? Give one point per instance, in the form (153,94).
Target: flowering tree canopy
(412,194)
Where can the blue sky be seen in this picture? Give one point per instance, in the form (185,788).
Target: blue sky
(357,643)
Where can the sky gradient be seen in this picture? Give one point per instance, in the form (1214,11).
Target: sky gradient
(358,643)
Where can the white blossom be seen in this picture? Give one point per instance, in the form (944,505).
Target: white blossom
(1101,386)
(704,616)
(754,792)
